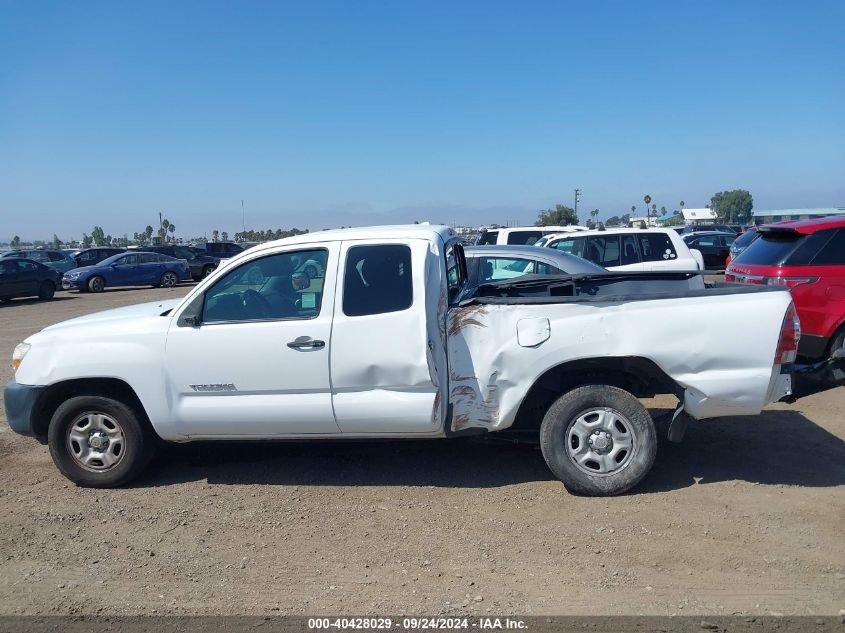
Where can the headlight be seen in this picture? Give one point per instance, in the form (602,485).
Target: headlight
(18,355)
(72,275)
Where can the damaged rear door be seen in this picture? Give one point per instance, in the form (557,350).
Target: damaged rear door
(382,371)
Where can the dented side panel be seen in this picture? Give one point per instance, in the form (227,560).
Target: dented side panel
(490,370)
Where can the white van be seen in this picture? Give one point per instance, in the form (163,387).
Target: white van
(521,235)
(630,249)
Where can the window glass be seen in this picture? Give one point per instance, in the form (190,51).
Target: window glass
(453,275)
(832,253)
(727,240)
(377,279)
(656,246)
(128,260)
(7,267)
(629,250)
(183,252)
(707,240)
(38,256)
(149,258)
(25,266)
(524,238)
(603,250)
(488,237)
(772,249)
(268,288)
(571,245)
(56,257)
(87,256)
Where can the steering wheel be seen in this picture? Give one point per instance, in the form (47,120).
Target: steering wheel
(255,304)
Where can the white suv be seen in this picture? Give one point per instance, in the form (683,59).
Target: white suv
(630,249)
(521,235)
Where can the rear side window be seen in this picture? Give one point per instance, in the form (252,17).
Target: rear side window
(603,250)
(571,245)
(488,237)
(832,253)
(56,257)
(656,247)
(26,267)
(377,279)
(524,238)
(149,258)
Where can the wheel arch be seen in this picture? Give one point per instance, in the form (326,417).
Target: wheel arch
(640,376)
(59,392)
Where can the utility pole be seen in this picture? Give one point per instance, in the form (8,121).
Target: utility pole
(577,198)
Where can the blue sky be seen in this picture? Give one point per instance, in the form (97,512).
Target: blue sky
(318,114)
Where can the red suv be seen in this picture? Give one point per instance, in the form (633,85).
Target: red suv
(808,257)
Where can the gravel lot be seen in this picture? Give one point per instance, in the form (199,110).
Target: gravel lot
(746,516)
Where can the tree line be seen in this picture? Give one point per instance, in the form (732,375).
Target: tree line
(729,207)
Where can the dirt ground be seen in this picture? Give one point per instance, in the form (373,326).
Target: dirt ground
(746,516)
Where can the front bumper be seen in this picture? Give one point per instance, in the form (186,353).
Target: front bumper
(19,402)
(70,284)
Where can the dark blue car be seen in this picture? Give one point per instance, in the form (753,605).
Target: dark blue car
(128,269)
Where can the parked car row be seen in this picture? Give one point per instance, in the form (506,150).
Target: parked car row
(39,272)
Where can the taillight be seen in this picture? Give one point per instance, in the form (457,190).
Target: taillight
(790,334)
(790,282)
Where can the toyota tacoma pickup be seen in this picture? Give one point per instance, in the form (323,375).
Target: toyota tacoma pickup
(388,340)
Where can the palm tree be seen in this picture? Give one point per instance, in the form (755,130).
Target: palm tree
(172,229)
(594,214)
(633,208)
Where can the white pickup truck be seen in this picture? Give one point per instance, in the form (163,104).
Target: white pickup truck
(387,340)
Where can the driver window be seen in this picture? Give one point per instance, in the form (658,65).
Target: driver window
(283,286)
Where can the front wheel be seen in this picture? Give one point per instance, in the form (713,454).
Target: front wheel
(206,271)
(46,291)
(168,280)
(96,284)
(99,442)
(598,440)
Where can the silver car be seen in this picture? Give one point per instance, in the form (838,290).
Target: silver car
(494,263)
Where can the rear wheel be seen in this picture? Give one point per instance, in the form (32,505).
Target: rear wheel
(837,343)
(99,442)
(598,440)
(207,271)
(168,280)
(46,290)
(96,284)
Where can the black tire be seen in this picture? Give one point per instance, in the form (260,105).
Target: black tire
(837,342)
(556,438)
(207,270)
(137,447)
(169,280)
(5,299)
(96,284)
(46,290)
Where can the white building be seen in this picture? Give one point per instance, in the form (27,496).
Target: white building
(699,216)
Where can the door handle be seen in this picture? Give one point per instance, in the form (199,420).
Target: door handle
(310,344)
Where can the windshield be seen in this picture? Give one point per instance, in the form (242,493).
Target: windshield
(772,249)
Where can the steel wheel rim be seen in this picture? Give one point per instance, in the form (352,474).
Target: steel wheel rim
(169,280)
(96,441)
(601,441)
